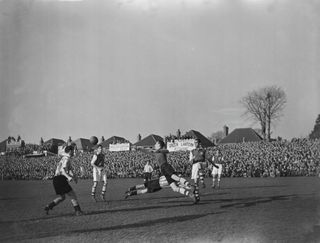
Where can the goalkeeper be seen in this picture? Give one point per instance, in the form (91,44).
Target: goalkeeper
(155,185)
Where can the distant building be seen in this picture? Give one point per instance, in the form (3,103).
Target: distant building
(205,142)
(113,140)
(83,144)
(53,144)
(148,142)
(240,135)
(3,146)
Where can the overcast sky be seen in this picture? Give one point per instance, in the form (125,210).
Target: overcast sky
(124,67)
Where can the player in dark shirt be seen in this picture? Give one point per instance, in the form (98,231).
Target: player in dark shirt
(151,186)
(99,173)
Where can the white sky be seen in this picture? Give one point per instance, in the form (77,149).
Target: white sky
(82,68)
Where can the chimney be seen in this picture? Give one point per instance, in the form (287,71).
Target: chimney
(225,130)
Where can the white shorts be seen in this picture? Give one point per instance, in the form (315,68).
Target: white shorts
(99,174)
(195,170)
(217,171)
(163,182)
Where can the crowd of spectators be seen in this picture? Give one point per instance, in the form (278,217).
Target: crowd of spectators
(299,157)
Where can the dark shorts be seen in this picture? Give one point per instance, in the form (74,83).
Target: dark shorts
(153,186)
(61,185)
(167,170)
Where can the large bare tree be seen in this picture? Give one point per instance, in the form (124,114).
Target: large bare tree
(265,106)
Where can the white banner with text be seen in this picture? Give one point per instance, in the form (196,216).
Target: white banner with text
(119,147)
(181,145)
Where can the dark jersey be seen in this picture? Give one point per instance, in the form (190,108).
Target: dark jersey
(199,155)
(161,156)
(100,160)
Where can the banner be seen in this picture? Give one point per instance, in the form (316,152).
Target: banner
(181,145)
(12,145)
(119,147)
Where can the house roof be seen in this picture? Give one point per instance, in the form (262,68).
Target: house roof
(3,146)
(205,142)
(83,144)
(149,140)
(240,135)
(112,139)
(56,141)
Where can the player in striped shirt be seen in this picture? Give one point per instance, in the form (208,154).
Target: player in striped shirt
(63,175)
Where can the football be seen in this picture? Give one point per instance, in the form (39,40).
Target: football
(94,140)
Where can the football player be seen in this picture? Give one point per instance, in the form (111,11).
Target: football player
(99,173)
(198,159)
(155,185)
(167,170)
(217,161)
(63,175)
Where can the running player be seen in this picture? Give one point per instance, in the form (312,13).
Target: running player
(99,173)
(61,186)
(167,170)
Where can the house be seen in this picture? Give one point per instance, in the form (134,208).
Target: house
(83,144)
(205,142)
(113,140)
(240,135)
(53,144)
(148,142)
(3,146)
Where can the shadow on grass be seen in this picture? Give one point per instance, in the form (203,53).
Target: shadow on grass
(145,223)
(252,187)
(253,201)
(97,212)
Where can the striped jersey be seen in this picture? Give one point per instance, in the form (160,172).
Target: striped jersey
(65,164)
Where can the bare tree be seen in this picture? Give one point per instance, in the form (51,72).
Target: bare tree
(265,106)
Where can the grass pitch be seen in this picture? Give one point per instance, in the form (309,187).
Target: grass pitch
(243,210)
